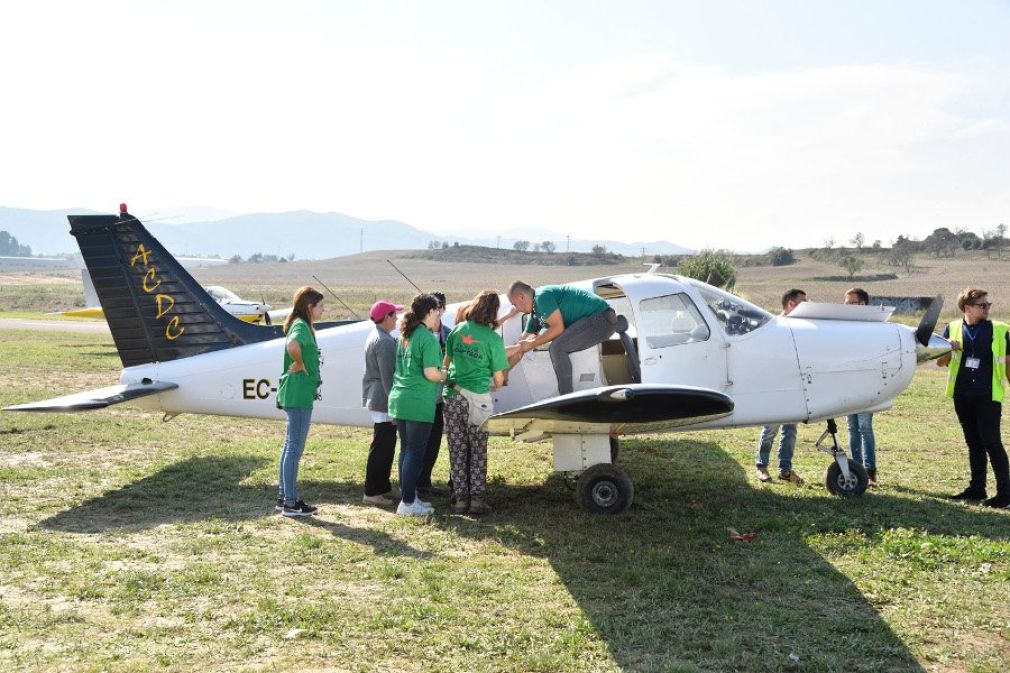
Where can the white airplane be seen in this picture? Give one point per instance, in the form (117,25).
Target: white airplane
(687,356)
(243,309)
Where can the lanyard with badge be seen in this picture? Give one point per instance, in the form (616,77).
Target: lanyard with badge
(973,362)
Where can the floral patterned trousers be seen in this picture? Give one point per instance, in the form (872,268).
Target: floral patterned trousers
(467,451)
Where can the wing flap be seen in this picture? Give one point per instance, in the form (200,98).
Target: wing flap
(640,407)
(97,399)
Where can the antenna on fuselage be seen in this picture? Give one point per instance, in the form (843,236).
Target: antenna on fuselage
(356,316)
(405,276)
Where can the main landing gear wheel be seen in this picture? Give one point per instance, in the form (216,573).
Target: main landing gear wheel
(839,485)
(604,489)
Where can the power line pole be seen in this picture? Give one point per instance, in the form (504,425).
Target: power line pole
(568,242)
(497,243)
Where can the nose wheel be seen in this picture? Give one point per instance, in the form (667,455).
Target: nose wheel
(839,483)
(845,476)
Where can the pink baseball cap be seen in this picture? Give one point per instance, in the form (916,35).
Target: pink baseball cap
(382,308)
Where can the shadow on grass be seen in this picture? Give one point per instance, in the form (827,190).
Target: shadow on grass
(211,488)
(664,585)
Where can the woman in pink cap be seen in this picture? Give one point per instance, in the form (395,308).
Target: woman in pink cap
(380,363)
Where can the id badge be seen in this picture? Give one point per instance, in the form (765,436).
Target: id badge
(972,363)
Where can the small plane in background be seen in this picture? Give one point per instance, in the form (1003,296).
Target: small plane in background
(243,309)
(686,356)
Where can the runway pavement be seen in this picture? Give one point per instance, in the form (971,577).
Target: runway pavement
(100,327)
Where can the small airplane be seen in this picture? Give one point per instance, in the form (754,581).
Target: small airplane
(686,356)
(243,309)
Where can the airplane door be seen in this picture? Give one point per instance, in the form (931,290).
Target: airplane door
(675,343)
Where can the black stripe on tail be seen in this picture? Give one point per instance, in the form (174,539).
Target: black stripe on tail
(155,309)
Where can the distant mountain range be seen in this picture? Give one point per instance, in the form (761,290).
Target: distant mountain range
(303,233)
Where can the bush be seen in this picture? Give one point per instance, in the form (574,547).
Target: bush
(851,264)
(781,256)
(714,267)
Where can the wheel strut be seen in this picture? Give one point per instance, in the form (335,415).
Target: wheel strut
(835,451)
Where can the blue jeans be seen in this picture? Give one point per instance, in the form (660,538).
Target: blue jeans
(861,440)
(291,454)
(787,444)
(413,447)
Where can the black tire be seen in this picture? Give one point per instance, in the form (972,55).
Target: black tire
(615,449)
(837,484)
(603,489)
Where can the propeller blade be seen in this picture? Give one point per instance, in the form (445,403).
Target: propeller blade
(928,322)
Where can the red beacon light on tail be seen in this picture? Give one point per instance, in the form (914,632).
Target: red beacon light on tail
(122,208)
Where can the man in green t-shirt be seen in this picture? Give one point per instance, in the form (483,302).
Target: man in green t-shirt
(569,318)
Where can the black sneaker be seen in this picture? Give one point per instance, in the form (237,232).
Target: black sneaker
(299,509)
(968,494)
(279,507)
(1000,500)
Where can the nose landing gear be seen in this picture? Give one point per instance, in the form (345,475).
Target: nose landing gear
(845,476)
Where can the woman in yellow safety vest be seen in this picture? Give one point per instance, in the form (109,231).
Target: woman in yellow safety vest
(977,369)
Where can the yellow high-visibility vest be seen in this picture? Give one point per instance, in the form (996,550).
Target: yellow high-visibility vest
(999,332)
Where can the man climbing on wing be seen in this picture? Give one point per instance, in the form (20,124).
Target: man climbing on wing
(568,318)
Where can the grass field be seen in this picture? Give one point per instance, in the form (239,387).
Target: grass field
(129,544)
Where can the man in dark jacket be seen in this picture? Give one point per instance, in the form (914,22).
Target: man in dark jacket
(380,363)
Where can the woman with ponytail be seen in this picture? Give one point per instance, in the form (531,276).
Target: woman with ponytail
(475,356)
(299,385)
(414,393)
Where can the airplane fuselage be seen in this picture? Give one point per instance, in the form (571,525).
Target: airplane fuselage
(776,369)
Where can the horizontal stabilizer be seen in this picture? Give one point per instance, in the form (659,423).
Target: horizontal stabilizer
(97,399)
(636,406)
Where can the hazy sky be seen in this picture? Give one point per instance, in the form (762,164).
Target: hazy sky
(707,123)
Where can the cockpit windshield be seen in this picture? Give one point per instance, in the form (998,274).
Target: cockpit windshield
(735,315)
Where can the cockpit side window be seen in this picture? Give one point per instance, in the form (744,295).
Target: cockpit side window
(735,315)
(671,320)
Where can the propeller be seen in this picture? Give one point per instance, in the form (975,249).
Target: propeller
(266,307)
(928,322)
(930,346)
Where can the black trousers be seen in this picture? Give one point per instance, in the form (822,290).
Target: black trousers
(980,419)
(434,444)
(380,459)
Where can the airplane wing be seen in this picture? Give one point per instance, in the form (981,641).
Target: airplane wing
(97,399)
(636,407)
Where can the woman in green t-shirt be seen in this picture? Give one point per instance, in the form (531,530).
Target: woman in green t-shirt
(299,385)
(474,355)
(412,398)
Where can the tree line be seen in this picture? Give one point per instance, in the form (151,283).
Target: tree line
(10,247)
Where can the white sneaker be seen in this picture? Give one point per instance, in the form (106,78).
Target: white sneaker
(426,505)
(416,508)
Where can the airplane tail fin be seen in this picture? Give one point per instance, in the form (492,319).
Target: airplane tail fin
(155,309)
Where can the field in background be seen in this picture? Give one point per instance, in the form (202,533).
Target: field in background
(129,544)
(359,280)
